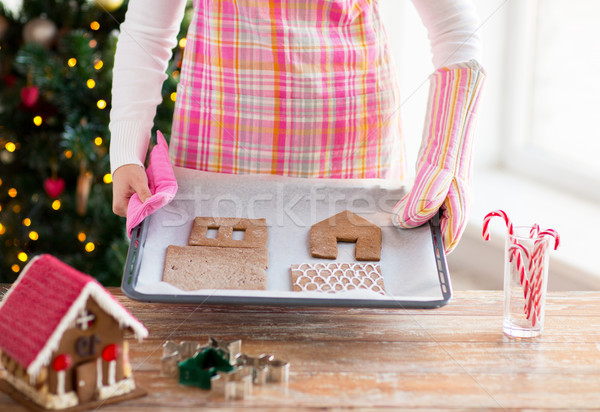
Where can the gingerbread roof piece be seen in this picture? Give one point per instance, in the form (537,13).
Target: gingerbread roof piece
(43,303)
(346,227)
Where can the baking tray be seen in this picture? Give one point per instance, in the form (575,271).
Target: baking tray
(413,262)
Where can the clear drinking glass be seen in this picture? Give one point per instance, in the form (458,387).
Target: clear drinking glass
(525,282)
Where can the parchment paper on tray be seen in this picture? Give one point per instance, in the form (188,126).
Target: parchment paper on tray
(412,269)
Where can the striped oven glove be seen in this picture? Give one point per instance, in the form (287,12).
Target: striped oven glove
(444,166)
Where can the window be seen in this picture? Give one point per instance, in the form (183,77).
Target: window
(553,103)
(85,320)
(238,234)
(212,232)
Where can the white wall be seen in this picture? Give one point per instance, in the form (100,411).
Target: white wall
(411,50)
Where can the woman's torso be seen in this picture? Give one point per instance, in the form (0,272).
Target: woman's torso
(299,88)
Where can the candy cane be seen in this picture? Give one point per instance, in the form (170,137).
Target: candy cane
(536,268)
(496,213)
(553,233)
(516,252)
(535,230)
(519,253)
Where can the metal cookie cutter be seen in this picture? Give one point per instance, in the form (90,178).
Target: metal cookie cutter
(174,352)
(232,385)
(265,368)
(231,348)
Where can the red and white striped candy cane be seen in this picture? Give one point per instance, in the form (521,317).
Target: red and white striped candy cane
(496,213)
(534,231)
(553,233)
(517,252)
(536,268)
(520,255)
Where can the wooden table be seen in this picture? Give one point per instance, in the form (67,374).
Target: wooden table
(447,358)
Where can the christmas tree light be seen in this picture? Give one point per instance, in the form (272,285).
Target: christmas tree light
(56,194)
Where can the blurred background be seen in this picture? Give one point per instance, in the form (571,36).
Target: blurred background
(537,145)
(56,59)
(535,153)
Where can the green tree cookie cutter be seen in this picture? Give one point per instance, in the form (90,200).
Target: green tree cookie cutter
(198,370)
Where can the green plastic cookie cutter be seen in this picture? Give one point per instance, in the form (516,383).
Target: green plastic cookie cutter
(198,370)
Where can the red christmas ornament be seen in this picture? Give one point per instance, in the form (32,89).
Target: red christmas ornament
(54,186)
(62,362)
(9,80)
(30,95)
(110,352)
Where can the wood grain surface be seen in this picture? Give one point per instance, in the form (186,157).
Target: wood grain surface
(454,357)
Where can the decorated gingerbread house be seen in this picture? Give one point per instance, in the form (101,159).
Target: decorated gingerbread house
(62,337)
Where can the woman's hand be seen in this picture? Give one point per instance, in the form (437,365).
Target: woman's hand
(127,180)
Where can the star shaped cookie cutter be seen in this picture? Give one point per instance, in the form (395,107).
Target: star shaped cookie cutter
(265,368)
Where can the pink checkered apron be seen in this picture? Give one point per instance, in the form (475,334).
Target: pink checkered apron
(300,88)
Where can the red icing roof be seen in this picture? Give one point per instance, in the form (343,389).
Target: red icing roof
(36,304)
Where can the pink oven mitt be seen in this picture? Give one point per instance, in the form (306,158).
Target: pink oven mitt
(444,166)
(161,182)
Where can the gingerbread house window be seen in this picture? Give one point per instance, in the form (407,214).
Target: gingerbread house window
(238,234)
(212,232)
(85,320)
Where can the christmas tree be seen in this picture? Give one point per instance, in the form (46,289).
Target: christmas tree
(56,61)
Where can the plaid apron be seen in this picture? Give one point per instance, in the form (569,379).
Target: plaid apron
(301,88)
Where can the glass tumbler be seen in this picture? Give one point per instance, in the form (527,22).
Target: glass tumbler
(526,258)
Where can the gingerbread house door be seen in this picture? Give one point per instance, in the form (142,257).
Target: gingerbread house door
(85,381)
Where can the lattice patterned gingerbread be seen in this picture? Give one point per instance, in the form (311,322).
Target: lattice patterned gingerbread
(337,277)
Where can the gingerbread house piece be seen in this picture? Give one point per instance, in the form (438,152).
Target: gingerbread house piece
(346,227)
(62,338)
(251,233)
(222,253)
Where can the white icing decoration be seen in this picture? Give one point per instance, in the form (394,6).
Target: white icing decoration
(122,387)
(112,371)
(338,277)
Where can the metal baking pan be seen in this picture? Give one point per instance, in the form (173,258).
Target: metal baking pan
(413,261)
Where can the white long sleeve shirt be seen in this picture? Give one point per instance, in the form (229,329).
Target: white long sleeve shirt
(149,33)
